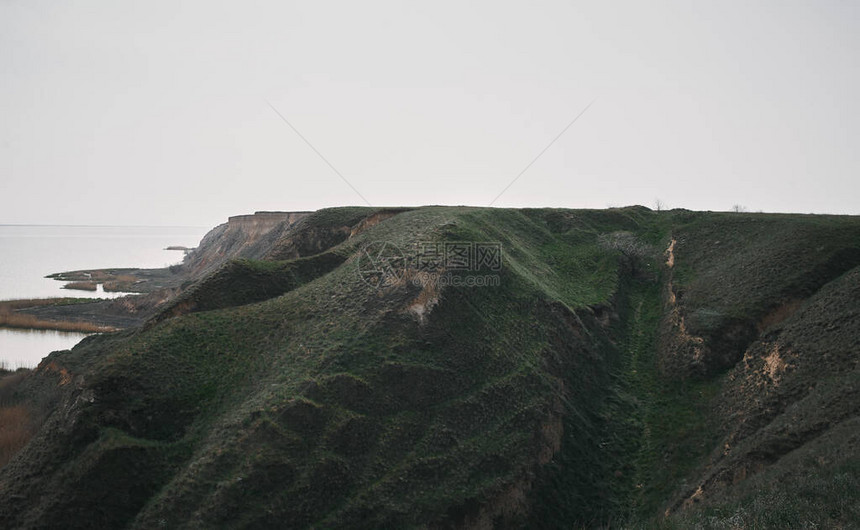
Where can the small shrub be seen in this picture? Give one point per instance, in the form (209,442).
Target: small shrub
(626,243)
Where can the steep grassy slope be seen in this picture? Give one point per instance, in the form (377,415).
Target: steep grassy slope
(767,307)
(736,274)
(575,388)
(790,420)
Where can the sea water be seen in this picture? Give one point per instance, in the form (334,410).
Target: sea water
(29,253)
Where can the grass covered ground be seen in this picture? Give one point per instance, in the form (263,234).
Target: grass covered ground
(291,392)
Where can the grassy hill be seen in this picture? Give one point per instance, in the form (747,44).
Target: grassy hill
(615,366)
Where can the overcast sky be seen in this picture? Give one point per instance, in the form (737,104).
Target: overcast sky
(157,113)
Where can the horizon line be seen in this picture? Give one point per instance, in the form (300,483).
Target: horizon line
(103,226)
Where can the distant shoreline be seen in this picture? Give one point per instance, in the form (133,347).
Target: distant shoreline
(106,226)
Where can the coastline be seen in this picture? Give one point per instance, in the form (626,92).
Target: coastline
(14,315)
(147,289)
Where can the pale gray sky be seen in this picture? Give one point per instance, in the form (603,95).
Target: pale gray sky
(119,112)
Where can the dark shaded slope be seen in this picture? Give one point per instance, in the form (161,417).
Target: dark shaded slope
(241,282)
(791,407)
(773,300)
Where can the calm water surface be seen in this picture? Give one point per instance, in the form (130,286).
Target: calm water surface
(25,348)
(29,253)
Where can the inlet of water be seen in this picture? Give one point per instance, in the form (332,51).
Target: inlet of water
(24,348)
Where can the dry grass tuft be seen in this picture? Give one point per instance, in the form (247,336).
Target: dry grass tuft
(16,429)
(82,286)
(24,321)
(14,305)
(120,283)
(9,381)
(11,318)
(16,424)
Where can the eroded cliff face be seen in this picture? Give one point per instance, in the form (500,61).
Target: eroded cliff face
(791,404)
(768,309)
(242,236)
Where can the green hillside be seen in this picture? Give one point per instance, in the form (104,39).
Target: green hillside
(615,367)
